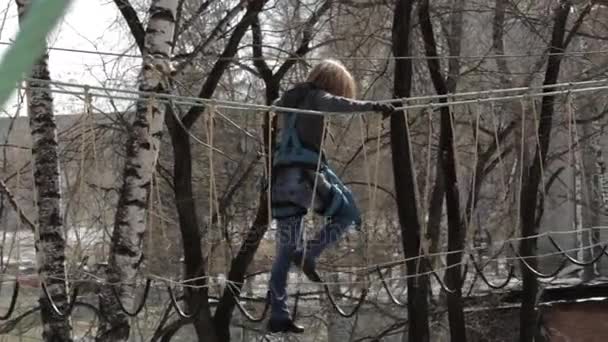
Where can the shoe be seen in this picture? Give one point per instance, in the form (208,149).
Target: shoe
(308,267)
(284,326)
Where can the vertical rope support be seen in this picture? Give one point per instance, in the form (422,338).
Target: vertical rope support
(365,159)
(454,142)
(209,257)
(146,251)
(575,164)
(416,190)
(522,162)
(216,203)
(326,124)
(268,169)
(151,105)
(212,164)
(83,138)
(571,194)
(36,230)
(374,201)
(208,115)
(454,135)
(427,183)
(422,250)
(161,212)
(586,192)
(80,191)
(501,162)
(537,137)
(451,110)
(374,204)
(369,190)
(91,126)
(19,225)
(474,185)
(578,157)
(150,218)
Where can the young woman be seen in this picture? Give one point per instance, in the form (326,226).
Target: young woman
(329,88)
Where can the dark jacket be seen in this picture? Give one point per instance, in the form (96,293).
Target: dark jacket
(309,127)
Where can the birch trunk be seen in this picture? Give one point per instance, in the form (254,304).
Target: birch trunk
(126,252)
(50,241)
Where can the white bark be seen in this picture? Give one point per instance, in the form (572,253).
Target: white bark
(142,153)
(50,242)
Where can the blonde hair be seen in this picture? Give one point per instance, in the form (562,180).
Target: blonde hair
(331,76)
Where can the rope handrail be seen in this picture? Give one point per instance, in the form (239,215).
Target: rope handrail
(530,92)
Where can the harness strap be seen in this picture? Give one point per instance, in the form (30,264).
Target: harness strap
(336,202)
(292,134)
(291,149)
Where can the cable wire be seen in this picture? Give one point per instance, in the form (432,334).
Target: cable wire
(344,58)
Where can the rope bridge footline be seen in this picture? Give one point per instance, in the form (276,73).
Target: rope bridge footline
(235,288)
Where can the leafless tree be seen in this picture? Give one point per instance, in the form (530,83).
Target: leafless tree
(50,239)
(126,252)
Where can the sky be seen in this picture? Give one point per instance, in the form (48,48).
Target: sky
(88,25)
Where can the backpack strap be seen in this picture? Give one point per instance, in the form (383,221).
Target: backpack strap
(290,139)
(291,151)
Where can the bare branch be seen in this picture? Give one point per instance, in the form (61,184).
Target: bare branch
(253,8)
(578,23)
(196,15)
(135,25)
(307,36)
(497,39)
(212,36)
(259,62)
(16,206)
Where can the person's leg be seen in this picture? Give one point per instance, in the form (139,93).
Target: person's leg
(345,217)
(288,238)
(338,206)
(289,200)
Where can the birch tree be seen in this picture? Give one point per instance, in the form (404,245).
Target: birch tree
(50,241)
(142,153)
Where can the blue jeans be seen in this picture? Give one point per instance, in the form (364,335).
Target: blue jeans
(292,193)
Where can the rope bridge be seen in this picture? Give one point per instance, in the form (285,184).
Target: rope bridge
(477,107)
